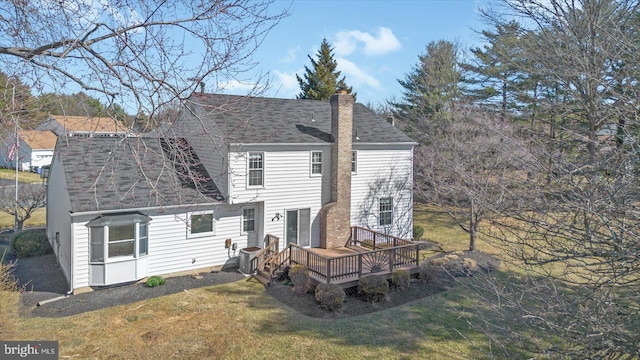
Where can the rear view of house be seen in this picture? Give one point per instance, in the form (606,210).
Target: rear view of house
(231,172)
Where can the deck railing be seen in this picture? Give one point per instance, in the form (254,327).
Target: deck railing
(385,254)
(374,240)
(354,266)
(265,256)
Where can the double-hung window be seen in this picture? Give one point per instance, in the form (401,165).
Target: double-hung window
(385,215)
(316,163)
(256,169)
(248,220)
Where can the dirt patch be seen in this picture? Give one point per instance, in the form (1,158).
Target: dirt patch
(456,265)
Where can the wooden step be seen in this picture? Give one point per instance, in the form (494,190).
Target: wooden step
(262,278)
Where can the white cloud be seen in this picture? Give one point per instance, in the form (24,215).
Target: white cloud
(286,84)
(346,42)
(291,56)
(356,76)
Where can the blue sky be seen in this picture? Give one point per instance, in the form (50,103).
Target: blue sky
(376,42)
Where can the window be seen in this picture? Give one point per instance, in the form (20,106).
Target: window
(143,239)
(201,224)
(118,236)
(248,220)
(316,162)
(256,169)
(354,162)
(386,211)
(121,240)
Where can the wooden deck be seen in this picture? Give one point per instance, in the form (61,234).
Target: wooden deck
(366,252)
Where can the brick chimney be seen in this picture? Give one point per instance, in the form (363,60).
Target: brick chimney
(335,216)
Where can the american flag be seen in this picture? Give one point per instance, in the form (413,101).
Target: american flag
(12,151)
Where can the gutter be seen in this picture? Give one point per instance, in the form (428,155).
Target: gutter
(141,209)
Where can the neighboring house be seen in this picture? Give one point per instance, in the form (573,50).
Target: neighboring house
(121,209)
(82,126)
(35,150)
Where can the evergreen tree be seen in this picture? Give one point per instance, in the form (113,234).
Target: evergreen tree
(493,74)
(322,80)
(430,90)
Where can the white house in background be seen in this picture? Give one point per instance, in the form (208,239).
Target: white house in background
(82,126)
(121,209)
(35,150)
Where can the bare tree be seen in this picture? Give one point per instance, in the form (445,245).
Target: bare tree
(31,197)
(141,54)
(468,167)
(574,230)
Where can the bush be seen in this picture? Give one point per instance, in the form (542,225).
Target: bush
(400,279)
(30,243)
(300,279)
(330,296)
(7,281)
(418,232)
(373,288)
(154,281)
(428,273)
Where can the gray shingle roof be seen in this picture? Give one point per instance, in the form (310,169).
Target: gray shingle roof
(125,173)
(251,120)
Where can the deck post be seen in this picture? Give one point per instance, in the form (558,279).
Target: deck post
(359,265)
(328,271)
(374,240)
(392,258)
(417,255)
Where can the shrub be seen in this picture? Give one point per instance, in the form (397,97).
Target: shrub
(428,273)
(300,279)
(7,281)
(30,243)
(330,296)
(400,279)
(373,288)
(154,281)
(418,232)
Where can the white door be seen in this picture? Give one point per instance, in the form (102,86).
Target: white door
(298,227)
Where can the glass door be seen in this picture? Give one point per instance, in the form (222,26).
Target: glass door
(298,227)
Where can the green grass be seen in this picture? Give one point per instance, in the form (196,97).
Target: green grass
(23,176)
(38,219)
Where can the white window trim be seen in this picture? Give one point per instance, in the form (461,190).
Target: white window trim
(202,234)
(115,259)
(242,231)
(390,211)
(311,163)
(249,170)
(356,153)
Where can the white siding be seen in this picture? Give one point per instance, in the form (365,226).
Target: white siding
(383,172)
(288,185)
(81,255)
(41,157)
(170,249)
(58,219)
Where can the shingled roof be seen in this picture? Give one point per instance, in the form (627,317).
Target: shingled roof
(130,173)
(38,140)
(253,120)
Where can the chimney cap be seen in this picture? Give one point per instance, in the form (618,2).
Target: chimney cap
(341,90)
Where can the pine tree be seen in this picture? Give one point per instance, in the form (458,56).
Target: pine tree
(430,90)
(322,80)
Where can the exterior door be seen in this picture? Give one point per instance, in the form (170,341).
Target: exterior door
(298,227)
